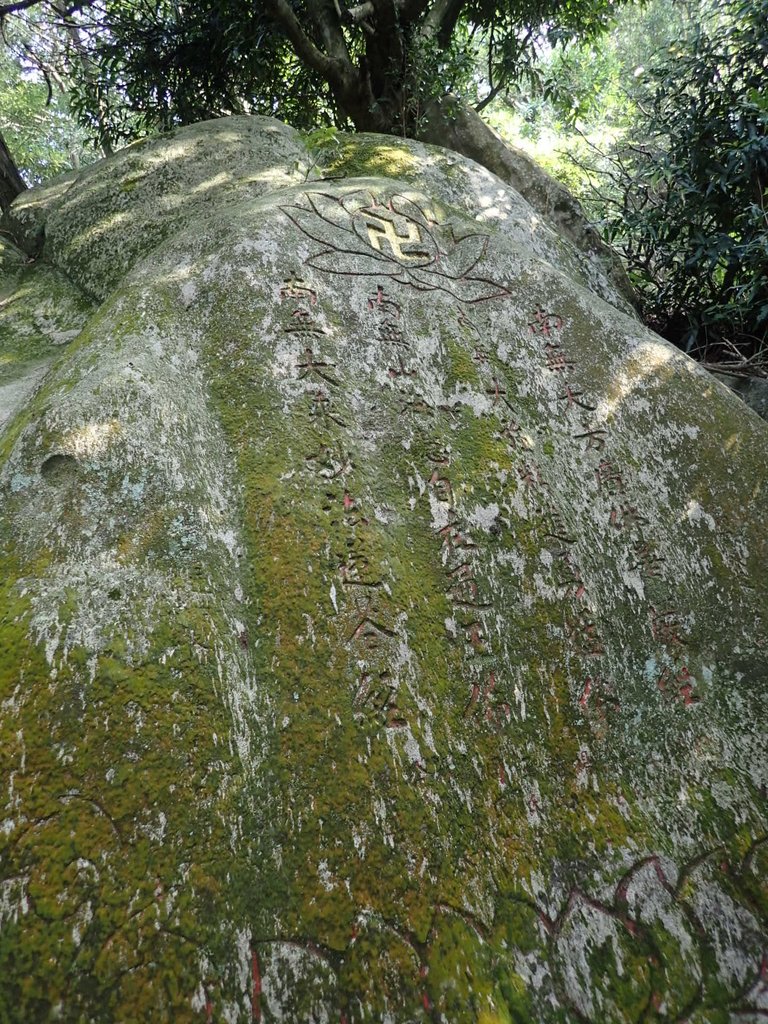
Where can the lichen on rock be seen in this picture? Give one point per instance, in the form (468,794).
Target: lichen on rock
(40,313)
(383,614)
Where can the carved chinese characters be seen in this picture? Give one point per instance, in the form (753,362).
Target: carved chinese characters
(393,647)
(407,253)
(358,587)
(624,517)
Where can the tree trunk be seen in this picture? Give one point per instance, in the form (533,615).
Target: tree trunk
(11,182)
(453,124)
(91,79)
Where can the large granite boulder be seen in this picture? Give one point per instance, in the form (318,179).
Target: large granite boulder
(383,609)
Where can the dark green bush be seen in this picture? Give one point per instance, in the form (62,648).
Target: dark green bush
(693,217)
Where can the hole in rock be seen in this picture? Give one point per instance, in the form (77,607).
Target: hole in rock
(114,594)
(58,468)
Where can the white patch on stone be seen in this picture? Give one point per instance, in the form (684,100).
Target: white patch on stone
(19,481)
(91,439)
(429,739)
(288,969)
(358,841)
(585,930)
(440,511)
(731,930)
(198,999)
(484,517)
(229,539)
(533,803)
(520,700)
(14,902)
(411,747)
(325,876)
(696,515)
(633,581)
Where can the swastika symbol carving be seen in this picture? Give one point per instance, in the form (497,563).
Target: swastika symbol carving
(385,230)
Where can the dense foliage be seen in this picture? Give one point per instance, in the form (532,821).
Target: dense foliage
(170,64)
(35,118)
(693,223)
(673,134)
(374,65)
(664,134)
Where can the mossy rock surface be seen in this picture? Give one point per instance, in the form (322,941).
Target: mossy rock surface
(41,311)
(382,615)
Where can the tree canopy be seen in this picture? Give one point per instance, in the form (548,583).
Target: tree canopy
(374,65)
(693,217)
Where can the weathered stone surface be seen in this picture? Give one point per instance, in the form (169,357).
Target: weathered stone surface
(449,122)
(40,311)
(458,182)
(96,225)
(382,630)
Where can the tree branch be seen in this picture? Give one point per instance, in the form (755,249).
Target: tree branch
(350,85)
(479,107)
(302,44)
(326,16)
(407,10)
(19,5)
(359,13)
(387,16)
(441,20)
(11,182)
(411,10)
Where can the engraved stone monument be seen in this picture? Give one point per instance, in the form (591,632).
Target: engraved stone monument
(382,615)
